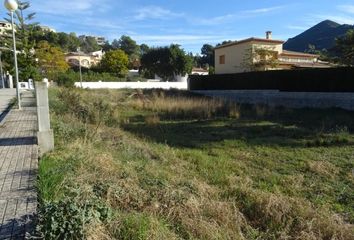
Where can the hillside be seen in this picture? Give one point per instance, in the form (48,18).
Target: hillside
(322,36)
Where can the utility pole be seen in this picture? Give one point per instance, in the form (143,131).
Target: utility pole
(79,52)
(12,6)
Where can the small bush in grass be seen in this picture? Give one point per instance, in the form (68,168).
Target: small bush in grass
(73,102)
(67,79)
(68,128)
(67,219)
(97,112)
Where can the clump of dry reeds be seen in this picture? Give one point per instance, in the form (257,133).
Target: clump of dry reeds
(182,107)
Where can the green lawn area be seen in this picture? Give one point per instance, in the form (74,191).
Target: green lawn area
(172,165)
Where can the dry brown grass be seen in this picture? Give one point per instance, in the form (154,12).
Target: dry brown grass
(185,107)
(289,216)
(97,231)
(324,168)
(203,215)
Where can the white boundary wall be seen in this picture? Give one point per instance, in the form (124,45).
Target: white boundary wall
(133,85)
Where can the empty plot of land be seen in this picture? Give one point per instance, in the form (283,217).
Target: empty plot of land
(157,164)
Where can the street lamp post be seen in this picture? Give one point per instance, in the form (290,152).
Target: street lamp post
(12,6)
(79,52)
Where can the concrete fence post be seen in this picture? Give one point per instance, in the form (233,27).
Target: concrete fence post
(10,81)
(45,136)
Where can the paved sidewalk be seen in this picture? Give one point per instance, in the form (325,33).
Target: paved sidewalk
(6,95)
(18,171)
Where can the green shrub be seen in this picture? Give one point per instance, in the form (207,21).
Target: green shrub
(67,219)
(97,112)
(67,79)
(68,128)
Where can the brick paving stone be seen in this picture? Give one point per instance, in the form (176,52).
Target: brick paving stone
(18,173)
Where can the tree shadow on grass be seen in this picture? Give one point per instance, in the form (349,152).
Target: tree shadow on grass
(199,134)
(277,127)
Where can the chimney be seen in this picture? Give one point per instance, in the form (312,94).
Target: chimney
(269,35)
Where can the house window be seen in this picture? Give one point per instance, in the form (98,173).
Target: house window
(222,59)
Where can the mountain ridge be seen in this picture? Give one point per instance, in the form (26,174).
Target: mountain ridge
(322,36)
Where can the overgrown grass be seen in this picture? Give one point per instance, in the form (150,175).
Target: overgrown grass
(171,165)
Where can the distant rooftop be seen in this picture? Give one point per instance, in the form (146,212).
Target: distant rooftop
(253,39)
(199,70)
(300,54)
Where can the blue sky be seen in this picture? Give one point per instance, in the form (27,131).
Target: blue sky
(190,23)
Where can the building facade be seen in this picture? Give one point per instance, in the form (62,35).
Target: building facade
(99,39)
(4,27)
(47,29)
(199,71)
(240,56)
(85,60)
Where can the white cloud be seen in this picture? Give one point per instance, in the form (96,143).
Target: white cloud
(232,17)
(155,12)
(346,8)
(214,20)
(263,10)
(72,7)
(160,40)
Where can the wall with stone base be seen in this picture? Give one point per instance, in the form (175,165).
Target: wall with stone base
(286,99)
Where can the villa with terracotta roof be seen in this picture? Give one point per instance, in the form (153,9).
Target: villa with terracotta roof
(238,56)
(199,71)
(86,60)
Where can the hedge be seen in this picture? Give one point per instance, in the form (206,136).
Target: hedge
(304,80)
